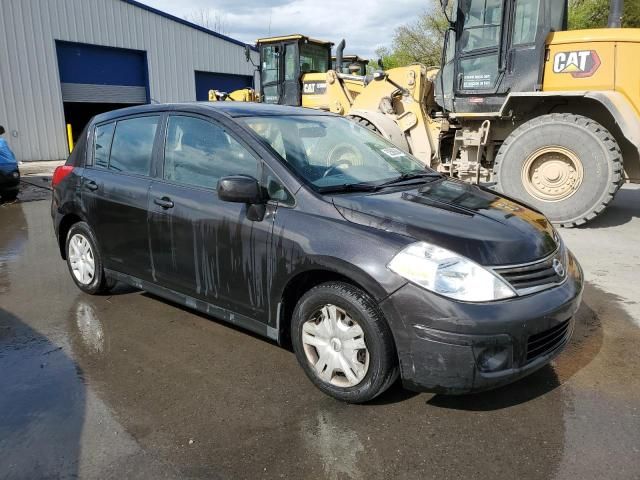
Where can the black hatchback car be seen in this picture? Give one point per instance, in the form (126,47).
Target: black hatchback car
(308,229)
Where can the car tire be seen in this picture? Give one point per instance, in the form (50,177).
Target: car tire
(9,195)
(325,354)
(85,261)
(567,166)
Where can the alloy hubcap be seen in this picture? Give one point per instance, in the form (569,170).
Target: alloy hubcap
(552,174)
(81,259)
(335,347)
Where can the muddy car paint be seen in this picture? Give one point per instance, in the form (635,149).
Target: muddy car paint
(209,255)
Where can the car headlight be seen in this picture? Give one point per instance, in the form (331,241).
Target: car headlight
(447,273)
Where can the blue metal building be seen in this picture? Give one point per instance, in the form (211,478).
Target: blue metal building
(64,61)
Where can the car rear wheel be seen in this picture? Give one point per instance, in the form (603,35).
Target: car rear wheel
(84,260)
(343,342)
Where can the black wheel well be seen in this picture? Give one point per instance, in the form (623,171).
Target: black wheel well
(65,225)
(296,288)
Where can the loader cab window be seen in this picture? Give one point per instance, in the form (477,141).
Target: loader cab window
(558,15)
(478,44)
(482,21)
(444,84)
(270,63)
(525,23)
(270,73)
(290,62)
(313,58)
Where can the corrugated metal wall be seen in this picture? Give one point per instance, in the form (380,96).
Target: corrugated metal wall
(30,93)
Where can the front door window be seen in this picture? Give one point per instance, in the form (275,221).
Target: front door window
(199,153)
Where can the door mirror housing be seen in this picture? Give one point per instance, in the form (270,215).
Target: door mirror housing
(240,189)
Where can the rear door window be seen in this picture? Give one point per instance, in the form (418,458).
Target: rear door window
(102,144)
(198,153)
(132,146)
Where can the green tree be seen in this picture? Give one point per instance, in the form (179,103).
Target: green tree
(421,40)
(417,42)
(595,13)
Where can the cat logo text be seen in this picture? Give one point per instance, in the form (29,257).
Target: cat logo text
(579,64)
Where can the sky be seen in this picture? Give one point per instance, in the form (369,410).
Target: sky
(364,24)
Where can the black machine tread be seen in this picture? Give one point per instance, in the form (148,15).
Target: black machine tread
(614,156)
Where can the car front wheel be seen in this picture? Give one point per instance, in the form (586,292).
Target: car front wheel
(343,342)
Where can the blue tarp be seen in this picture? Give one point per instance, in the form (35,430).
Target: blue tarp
(6,155)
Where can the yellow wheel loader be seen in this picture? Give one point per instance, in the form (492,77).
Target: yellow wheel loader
(543,114)
(290,66)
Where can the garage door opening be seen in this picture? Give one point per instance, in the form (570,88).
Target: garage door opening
(223,82)
(78,114)
(96,79)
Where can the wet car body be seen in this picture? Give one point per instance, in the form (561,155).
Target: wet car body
(249,264)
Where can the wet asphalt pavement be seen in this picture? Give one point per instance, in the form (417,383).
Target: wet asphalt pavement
(130,386)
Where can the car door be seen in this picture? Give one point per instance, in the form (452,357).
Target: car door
(201,246)
(114,192)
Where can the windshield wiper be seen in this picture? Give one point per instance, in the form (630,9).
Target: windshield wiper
(349,187)
(410,176)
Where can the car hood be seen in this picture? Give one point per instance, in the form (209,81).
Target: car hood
(472,221)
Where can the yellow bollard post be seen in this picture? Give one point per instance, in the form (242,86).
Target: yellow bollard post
(70,137)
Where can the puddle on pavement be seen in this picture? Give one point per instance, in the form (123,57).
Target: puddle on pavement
(13,238)
(169,376)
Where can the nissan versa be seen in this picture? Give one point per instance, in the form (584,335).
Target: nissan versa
(313,231)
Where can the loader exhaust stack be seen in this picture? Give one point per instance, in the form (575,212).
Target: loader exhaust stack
(339,52)
(615,14)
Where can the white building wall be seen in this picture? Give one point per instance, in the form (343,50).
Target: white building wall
(31,107)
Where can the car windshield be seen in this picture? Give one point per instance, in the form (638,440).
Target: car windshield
(333,153)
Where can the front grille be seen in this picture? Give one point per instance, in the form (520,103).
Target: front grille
(547,342)
(537,275)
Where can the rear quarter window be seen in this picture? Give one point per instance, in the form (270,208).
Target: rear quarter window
(102,144)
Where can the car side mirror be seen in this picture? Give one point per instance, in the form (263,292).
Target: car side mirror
(240,189)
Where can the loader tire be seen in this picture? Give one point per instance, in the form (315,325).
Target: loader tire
(567,166)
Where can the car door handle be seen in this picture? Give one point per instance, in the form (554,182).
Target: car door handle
(91,185)
(164,202)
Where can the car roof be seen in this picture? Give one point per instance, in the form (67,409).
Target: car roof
(230,109)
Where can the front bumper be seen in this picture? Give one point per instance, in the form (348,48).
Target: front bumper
(440,341)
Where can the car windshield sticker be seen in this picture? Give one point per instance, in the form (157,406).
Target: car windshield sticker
(393,152)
